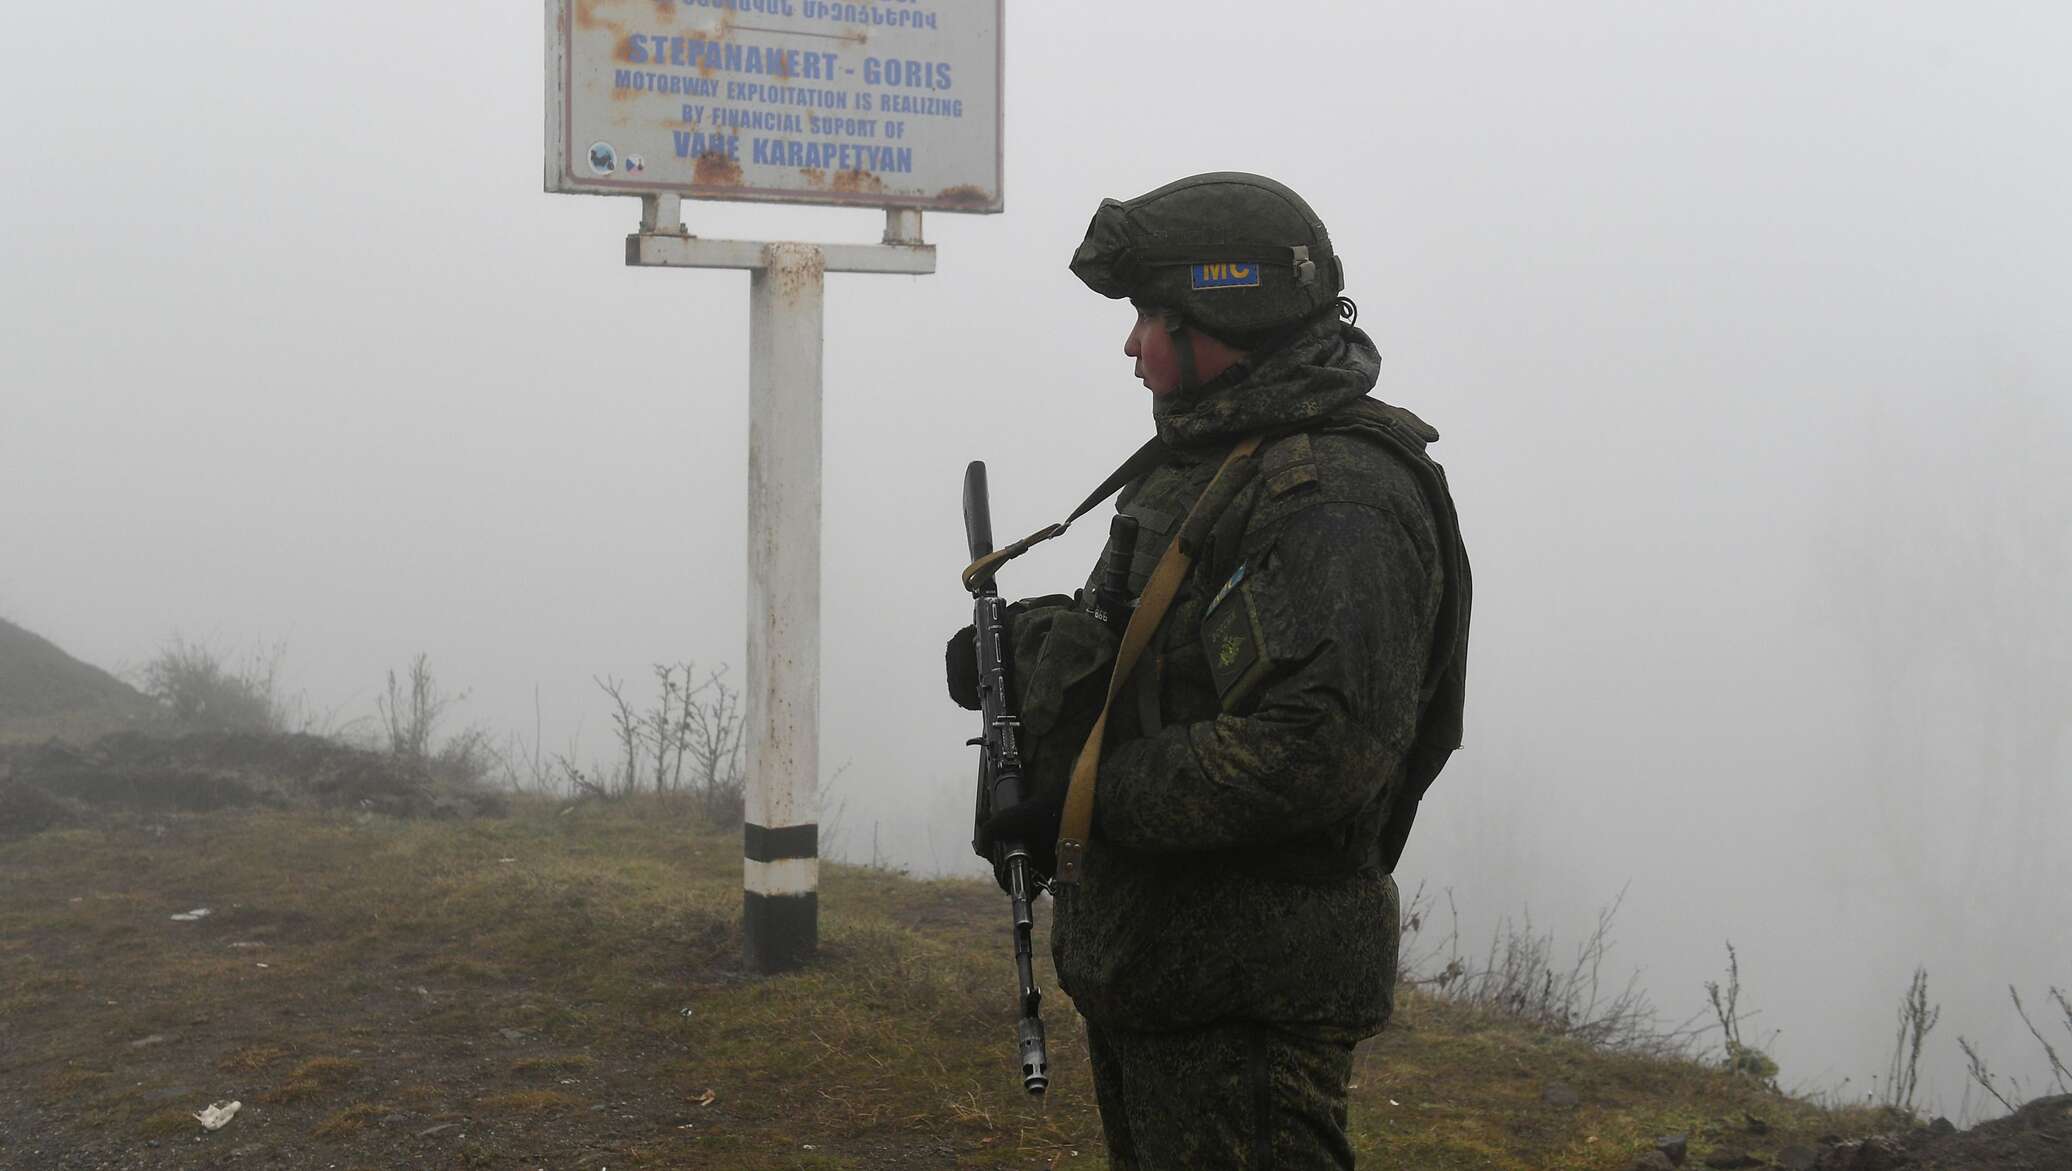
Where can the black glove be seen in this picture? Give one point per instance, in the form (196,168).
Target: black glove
(960,656)
(960,664)
(1032,823)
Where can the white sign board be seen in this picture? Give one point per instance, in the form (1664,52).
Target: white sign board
(879,103)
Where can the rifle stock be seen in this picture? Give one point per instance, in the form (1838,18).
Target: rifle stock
(978,511)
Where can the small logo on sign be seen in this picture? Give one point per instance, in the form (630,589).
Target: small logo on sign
(603,159)
(1226,276)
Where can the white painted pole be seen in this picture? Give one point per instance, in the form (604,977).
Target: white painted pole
(780,841)
(781,877)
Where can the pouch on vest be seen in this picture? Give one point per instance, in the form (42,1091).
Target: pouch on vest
(1062,659)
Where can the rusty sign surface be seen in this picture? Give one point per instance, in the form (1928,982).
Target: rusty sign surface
(880,103)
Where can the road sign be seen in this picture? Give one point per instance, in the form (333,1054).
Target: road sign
(892,104)
(883,103)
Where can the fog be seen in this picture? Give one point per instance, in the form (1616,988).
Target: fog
(1744,326)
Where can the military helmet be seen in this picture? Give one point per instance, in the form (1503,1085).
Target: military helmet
(1239,256)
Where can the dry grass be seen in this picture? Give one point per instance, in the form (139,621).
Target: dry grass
(350,1120)
(534,967)
(313,1078)
(559,1063)
(168,1123)
(530,1101)
(251,1058)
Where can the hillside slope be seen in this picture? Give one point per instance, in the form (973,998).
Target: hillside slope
(562,987)
(45,692)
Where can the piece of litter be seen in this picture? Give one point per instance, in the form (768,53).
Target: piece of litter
(1393,1102)
(265,965)
(215,1116)
(246,943)
(686,1012)
(708,1098)
(806,1146)
(190,916)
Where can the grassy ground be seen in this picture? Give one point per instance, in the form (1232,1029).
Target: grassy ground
(562,988)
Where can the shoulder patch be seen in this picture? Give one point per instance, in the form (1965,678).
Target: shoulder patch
(1290,464)
(1230,637)
(1225,275)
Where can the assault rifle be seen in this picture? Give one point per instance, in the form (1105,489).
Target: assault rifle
(1000,780)
(1002,783)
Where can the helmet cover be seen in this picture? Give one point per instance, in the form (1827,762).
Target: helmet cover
(1238,255)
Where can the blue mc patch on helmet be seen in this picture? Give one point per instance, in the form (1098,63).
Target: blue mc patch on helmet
(1225,276)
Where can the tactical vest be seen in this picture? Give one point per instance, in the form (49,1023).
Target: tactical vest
(1060,678)
(1285,465)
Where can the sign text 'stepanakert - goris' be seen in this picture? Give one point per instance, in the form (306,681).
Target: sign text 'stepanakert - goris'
(883,103)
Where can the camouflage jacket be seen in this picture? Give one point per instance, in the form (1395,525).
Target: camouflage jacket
(1251,764)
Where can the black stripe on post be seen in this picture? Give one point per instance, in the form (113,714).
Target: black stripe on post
(780,931)
(762,844)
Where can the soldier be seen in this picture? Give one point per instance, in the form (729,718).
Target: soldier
(1227,923)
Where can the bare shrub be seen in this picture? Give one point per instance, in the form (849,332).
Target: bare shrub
(2016,1093)
(2061,1078)
(630,731)
(412,708)
(523,766)
(831,815)
(1916,1018)
(1742,1059)
(202,693)
(1521,977)
(715,734)
(690,739)
(1980,1073)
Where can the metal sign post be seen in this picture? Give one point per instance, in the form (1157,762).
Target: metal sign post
(787,283)
(891,104)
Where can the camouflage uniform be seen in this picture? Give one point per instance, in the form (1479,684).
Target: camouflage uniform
(1234,907)
(1235,930)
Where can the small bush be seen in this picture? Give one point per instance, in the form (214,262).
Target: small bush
(1522,977)
(1916,1018)
(692,740)
(410,714)
(202,693)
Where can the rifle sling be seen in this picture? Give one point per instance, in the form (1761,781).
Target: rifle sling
(1158,595)
(1149,456)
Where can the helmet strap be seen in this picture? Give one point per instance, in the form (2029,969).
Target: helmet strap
(1183,349)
